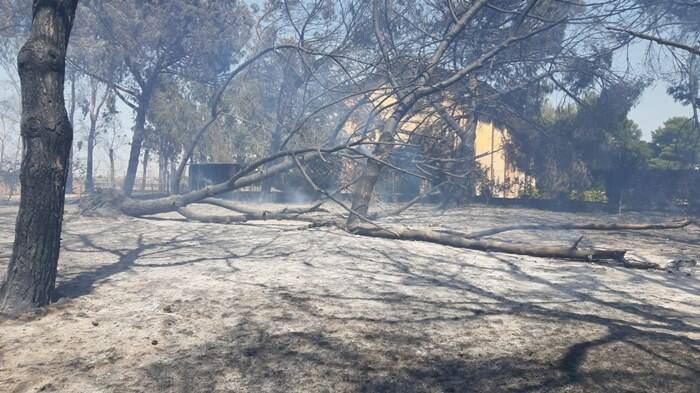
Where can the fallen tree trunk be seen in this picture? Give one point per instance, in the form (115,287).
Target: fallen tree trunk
(257,172)
(431,236)
(252,174)
(570,252)
(586,226)
(232,219)
(237,207)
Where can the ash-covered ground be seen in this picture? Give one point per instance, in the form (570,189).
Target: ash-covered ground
(165,305)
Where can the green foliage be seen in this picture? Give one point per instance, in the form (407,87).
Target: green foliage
(676,145)
(195,39)
(623,149)
(596,194)
(568,142)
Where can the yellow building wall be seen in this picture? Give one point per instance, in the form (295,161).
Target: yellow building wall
(502,178)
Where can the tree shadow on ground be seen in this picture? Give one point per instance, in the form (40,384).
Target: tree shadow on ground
(251,359)
(428,344)
(414,339)
(129,258)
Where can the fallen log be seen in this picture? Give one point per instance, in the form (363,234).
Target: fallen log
(586,226)
(232,219)
(573,252)
(431,236)
(252,174)
(241,208)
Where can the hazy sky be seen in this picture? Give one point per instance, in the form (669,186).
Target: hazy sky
(655,106)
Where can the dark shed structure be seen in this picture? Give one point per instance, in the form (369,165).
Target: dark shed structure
(202,175)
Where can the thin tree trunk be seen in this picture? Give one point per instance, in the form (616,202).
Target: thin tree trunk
(47,134)
(146,154)
(166,170)
(112,179)
(2,151)
(95,109)
(89,180)
(162,185)
(13,183)
(136,142)
(173,169)
(187,153)
(69,180)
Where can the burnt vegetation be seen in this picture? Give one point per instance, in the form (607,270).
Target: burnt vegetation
(336,96)
(329,110)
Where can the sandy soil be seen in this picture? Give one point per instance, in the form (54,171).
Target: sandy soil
(165,305)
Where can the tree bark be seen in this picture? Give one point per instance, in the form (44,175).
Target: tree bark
(47,136)
(162,181)
(135,152)
(564,252)
(187,153)
(465,154)
(89,181)
(252,174)
(95,110)
(583,226)
(365,186)
(291,82)
(69,180)
(146,155)
(112,178)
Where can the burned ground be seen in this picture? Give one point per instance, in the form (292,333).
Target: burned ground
(166,305)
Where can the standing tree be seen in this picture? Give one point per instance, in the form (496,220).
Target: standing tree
(192,40)
(418,63)
(93,108)
(47,135)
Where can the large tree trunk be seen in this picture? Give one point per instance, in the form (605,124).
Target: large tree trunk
(135,152)
(291,83)
(431,236)
(47,136)
(252,174)
(365,186)
(144,103)
(465,163)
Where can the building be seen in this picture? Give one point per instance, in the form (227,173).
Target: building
(503,178)
(500,178)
